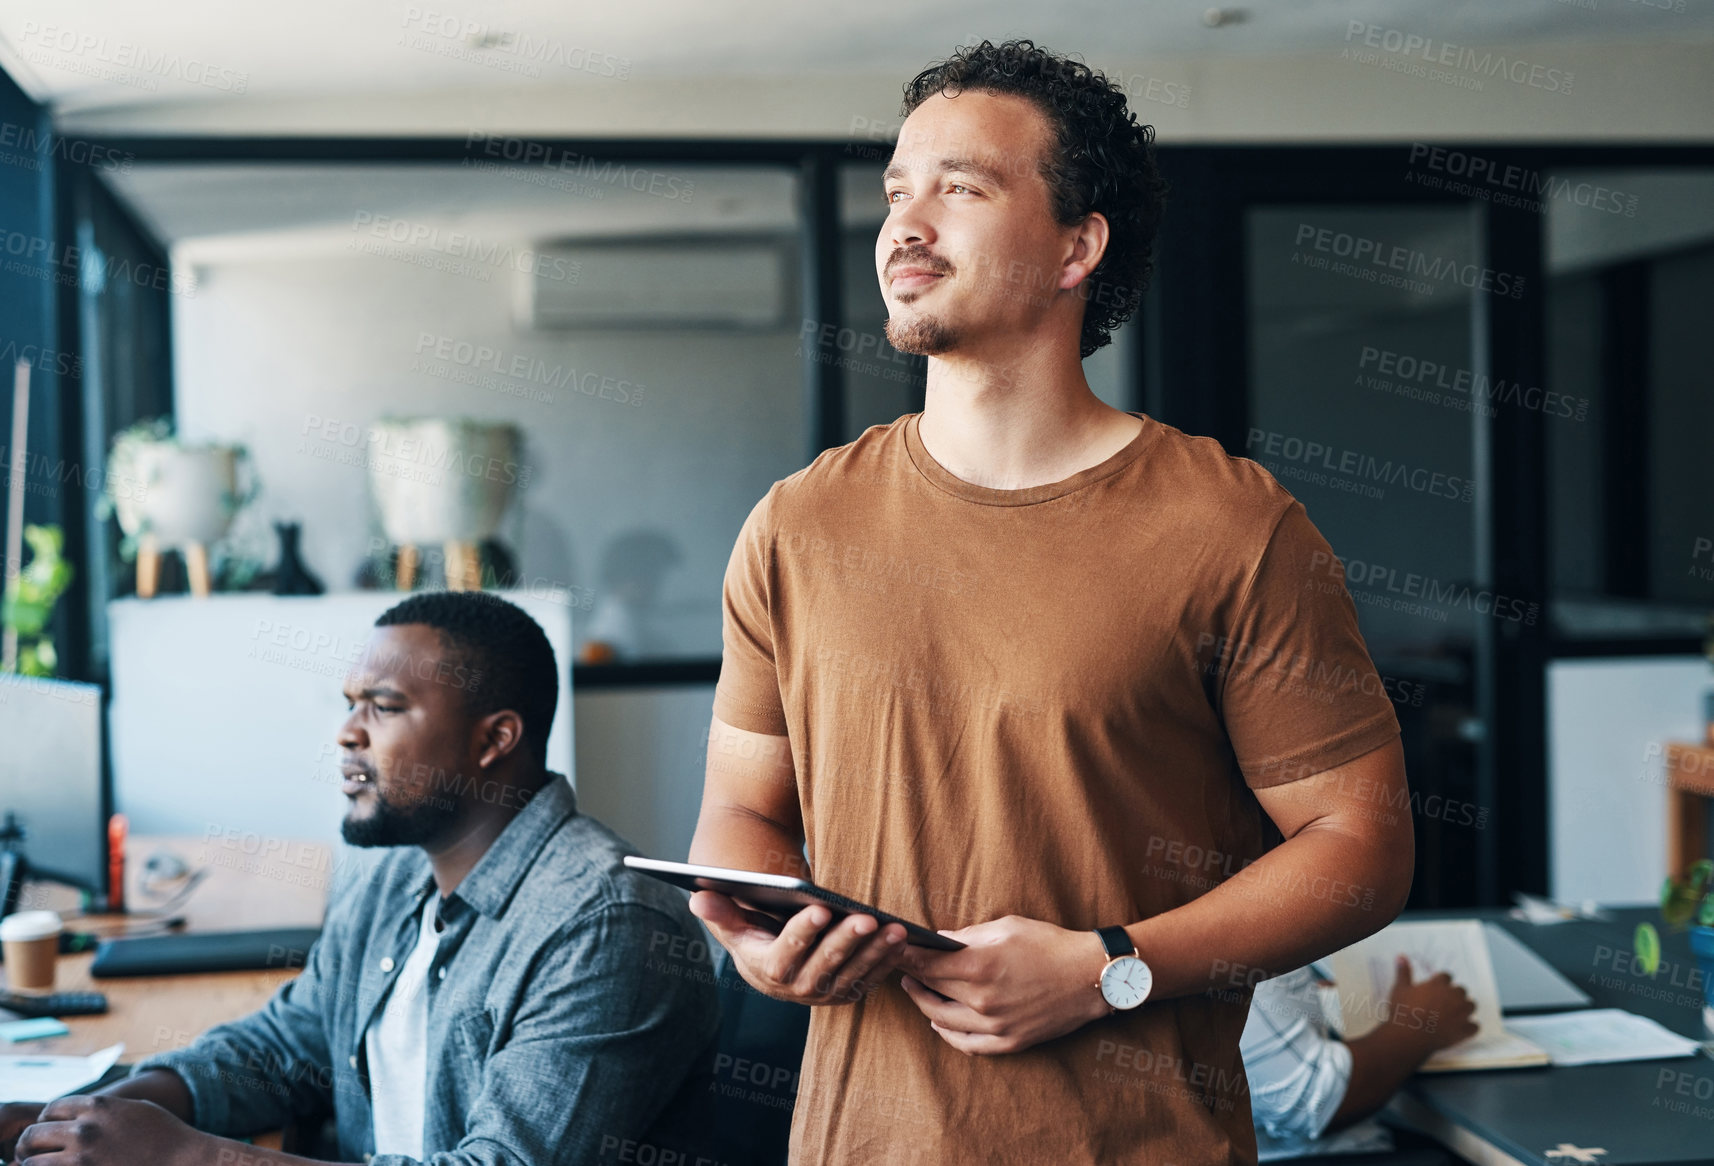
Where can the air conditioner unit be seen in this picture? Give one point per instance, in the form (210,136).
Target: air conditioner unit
(656,283)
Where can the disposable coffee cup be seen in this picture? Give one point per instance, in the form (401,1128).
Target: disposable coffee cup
(31,941)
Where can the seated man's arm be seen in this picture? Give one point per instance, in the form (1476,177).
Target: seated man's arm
(260,1072)
(1422,1018)
(1298,1073)
(609,1028)
(253,1074)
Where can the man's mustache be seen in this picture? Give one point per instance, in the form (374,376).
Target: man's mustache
(917,256)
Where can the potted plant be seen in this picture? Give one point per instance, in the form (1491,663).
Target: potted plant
(30,604)
(168,494)
(1686,903)
(446,482)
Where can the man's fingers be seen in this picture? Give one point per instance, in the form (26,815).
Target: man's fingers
(45,1137)
(973,1044)
(785,954)
(948,1013)
(68,1107)
(817,971)
(871,963)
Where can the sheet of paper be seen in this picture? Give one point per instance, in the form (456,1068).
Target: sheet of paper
(1597,1035)
(39,1078)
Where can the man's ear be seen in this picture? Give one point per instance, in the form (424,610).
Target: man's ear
(1088,245)
(499,735)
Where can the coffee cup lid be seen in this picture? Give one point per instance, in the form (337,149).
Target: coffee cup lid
(26,925)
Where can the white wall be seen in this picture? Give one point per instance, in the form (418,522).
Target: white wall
(299,358)
(1607,722)
(269,352)
(640,755)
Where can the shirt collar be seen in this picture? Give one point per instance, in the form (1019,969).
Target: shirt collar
(491,882)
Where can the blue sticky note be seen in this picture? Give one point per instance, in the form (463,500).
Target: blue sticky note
(37,1029)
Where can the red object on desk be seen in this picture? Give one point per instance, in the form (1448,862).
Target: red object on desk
(117,828)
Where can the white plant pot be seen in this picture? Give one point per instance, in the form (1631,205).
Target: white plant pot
(438,479)
(179,494)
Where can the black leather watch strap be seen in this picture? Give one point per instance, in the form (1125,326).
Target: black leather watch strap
(1116,941)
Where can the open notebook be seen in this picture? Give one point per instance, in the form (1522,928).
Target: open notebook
(1365,973)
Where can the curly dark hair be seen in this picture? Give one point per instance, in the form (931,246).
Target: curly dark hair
(1104,161)
(509,660)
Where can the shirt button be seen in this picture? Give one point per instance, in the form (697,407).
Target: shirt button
(353,1060)
(386,963)
(442,974)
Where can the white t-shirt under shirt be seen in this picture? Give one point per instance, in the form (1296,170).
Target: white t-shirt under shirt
(397,1048)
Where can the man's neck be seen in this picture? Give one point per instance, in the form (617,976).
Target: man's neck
(1009,424)
(454,857)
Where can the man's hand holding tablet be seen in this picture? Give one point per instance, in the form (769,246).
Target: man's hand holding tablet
(805,960)
(790,938)
(750,819)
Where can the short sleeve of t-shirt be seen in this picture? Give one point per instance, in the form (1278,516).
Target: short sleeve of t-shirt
(1299,694)
(748,694)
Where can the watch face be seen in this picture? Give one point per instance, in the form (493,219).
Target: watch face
(1125,982)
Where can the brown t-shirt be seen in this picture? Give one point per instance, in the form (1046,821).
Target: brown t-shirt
(1051,702)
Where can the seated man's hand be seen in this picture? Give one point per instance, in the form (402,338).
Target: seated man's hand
(1436,1012)
(15,1118)
(804,961)
(96,1130)
(1017,983)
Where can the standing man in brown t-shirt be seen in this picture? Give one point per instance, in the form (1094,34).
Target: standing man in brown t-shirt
(1023,666)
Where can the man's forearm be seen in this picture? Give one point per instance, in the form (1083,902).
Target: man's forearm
(163,1087)
(168,1090)
(1315,893)
(1381,1062)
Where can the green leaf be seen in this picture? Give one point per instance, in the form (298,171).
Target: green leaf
(1646,945)
(1701,873)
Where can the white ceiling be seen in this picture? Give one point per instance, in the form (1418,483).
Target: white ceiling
(106,54)
(740,68)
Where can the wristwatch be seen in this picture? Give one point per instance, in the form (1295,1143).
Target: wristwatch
(1125,980)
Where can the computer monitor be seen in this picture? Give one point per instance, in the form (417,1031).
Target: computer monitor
(51,778)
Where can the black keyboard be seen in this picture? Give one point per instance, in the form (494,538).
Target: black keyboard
(208,951)
(55,1004)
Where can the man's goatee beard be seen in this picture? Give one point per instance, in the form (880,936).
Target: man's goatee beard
(921,336)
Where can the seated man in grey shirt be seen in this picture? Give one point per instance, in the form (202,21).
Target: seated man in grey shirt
(495,992)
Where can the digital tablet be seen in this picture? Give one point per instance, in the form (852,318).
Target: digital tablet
(771,893)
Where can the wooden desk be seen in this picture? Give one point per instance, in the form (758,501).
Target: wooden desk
(1690,787)
(251,883)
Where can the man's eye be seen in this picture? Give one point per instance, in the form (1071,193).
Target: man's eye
(893,195)
(960,187)
(389,708)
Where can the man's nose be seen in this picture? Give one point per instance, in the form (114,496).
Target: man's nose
(351,734)
(909,225)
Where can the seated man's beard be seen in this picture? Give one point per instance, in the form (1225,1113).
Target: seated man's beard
(920,335)
(391,824)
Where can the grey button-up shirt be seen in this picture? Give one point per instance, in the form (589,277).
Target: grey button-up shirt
(569,1000)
